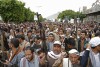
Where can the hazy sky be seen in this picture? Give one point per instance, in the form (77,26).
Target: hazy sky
(49,7)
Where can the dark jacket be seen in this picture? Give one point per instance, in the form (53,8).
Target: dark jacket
(84,58)
(79,44)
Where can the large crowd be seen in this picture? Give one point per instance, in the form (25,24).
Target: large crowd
(50,44)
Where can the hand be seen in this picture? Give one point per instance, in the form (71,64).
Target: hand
(88,46)
(7,62)
(42,58)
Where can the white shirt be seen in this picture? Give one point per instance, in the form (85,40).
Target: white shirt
(97,60)
(67,62)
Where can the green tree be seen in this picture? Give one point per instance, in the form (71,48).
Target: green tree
(67,13)
(29,15)
(70,14)
(32,17)
(15,11)
(80,15)
(12,10)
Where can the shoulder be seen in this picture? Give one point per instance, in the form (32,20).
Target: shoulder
(23,59)
(21,54)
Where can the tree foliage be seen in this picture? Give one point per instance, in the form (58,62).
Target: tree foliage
(28,15)
(12,10)
(15,11)
(80,15)
(70,14)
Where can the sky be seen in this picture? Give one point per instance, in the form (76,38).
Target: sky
(50,7)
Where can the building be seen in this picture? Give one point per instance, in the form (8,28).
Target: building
(92,14)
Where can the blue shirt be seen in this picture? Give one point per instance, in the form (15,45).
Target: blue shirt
(16,60)
(34,63)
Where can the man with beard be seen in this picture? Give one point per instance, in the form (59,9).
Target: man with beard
(15,54)
(76,59)
(30,59)
(23,43)
(55,54)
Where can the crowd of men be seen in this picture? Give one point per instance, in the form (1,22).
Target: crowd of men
(50,45)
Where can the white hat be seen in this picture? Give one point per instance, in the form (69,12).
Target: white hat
(73,51)
(62,35)
(57,42)
(94,41)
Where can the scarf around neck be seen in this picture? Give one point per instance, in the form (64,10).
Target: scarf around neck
(53,55)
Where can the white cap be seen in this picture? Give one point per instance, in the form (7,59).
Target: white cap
(62,35)
(73,51)
(57,42)
(95,41)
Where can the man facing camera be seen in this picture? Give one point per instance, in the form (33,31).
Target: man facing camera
(30,59)
(75,60)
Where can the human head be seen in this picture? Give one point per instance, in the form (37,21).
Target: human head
(21,32)
(20,38)
(73,34)
(41,53)
(60,32)
(74,56)
(57,47)
(17,31)
(37,40)
(29,33)
(51,37)
(95,43)
(83,34)
(29,53)
(14,43)
(12,32)
(62,38)
(70,43)
(79,32)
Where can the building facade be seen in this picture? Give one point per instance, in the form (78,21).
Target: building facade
(92,14)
